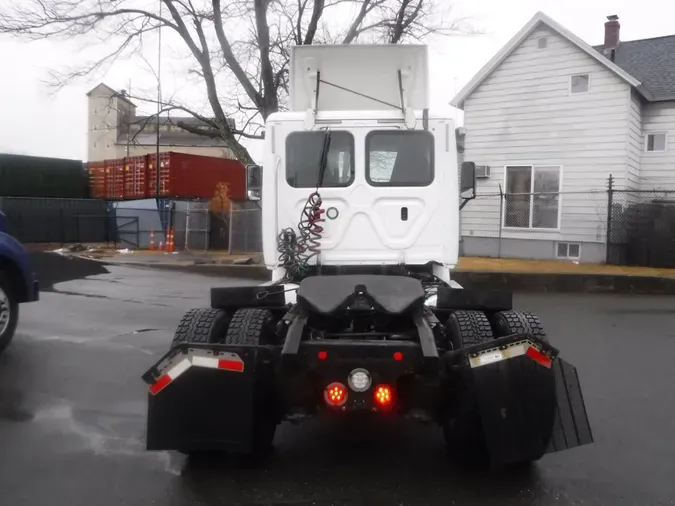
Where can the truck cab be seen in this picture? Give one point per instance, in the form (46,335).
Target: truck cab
(17,283)
(362,139)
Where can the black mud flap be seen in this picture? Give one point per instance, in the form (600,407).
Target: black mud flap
(530,404)
(204,408)
(571,427)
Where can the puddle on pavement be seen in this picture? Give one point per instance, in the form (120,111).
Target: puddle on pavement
(13,408)
(117,432)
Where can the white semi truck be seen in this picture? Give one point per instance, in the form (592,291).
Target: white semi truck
(361,193)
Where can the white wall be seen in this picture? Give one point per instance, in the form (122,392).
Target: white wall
(634,140)
(658,168)
(102,126)
(523,113)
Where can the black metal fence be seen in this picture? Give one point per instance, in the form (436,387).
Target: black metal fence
(90,221)
(641,227)
(46,220)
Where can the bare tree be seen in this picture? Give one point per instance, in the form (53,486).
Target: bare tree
(239,50)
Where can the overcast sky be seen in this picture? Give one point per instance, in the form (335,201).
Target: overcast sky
(35,121)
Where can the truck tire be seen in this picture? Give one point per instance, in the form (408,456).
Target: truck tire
(468,328)
(202,326)
(253,327)
(461,421)
(9,311)
(518,322)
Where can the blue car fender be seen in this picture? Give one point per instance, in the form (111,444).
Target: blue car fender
(11,250)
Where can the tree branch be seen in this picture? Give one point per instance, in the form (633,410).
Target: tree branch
(317,12)
(232,62)
(244,73)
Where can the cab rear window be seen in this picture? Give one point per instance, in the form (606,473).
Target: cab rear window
(400,158)
(303,157)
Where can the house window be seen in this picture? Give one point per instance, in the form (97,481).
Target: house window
(655,142)
(580,83)
(570,250)
(542,42)
(532,197)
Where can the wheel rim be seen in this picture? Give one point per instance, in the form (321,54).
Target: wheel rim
(4,311)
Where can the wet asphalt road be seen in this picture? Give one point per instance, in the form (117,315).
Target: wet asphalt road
(72,412)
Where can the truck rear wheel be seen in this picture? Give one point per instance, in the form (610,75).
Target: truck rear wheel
(462,427)
(203,326)
(246,327)
(253,327)
(518,322)
(9,311)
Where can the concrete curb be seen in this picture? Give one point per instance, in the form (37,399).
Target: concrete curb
(566,283)
(257,272)
(511,281)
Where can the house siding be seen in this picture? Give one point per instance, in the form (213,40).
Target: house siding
(634,141)
(523,113)
(657,170)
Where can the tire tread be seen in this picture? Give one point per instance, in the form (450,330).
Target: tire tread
(199,326)
(250,326)
(519,322)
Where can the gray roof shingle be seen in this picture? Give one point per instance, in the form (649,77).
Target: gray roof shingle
(652,62)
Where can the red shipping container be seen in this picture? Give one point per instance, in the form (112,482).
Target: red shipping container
(135,177)
(114,184)
(96,179)
(195,176)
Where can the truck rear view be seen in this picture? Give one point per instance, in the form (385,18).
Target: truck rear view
(361,192)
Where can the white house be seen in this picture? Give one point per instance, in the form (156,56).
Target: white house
(554,116)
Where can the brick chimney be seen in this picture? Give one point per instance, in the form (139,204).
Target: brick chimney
(612,29)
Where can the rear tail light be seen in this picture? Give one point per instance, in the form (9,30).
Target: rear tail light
(383,395)
(335,394)
(359,380)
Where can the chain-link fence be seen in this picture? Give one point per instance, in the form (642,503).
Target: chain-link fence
(191,223)
(245,229)
(618,226)
(535,225)
(641,228)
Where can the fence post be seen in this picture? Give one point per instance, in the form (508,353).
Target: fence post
(207,231)
(501,219)
(229,238)
(610,200)
(62,219)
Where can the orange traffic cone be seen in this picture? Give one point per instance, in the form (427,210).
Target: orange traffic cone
(172,243)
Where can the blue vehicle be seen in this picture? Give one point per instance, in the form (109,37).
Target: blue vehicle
(17,283)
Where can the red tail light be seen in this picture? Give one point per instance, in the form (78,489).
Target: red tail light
(335,394)
(383,395)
